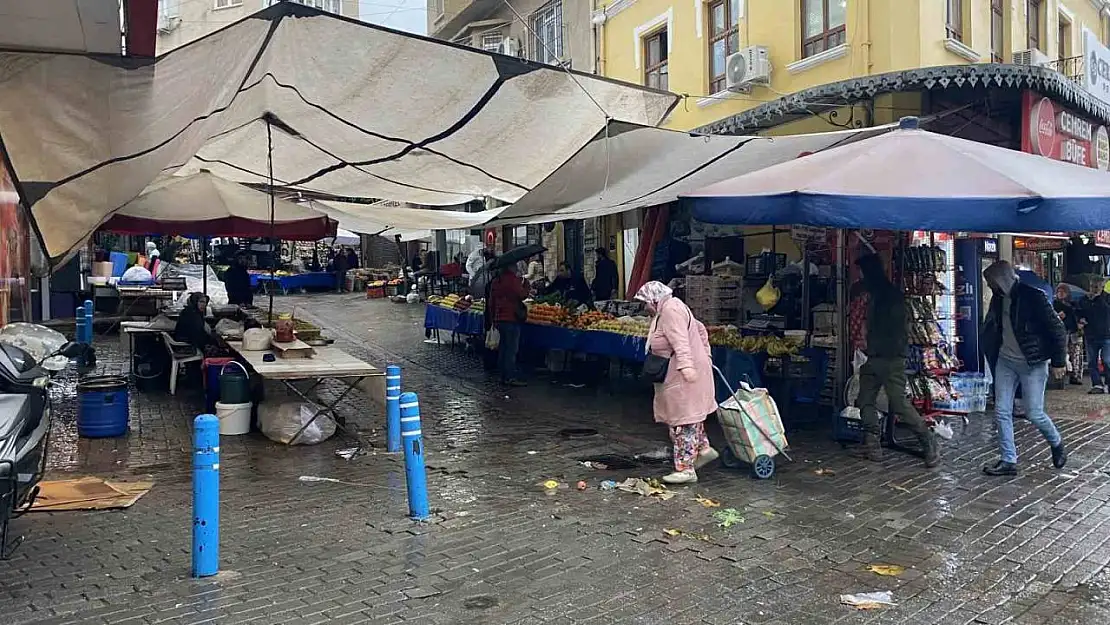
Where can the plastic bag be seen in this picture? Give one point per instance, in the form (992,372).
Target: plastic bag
(281,422)
(851,394)
(768,295)
(493,339)
(137,274)
(229,328)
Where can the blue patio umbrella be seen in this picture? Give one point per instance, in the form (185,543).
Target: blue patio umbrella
(911,179)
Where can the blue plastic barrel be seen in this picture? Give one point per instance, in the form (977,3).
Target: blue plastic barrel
(102,410)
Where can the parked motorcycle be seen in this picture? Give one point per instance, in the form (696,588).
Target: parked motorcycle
(24,428)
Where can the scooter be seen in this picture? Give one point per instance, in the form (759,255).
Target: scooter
(24,430)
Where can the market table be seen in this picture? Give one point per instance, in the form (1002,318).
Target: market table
(309,280)
(328,363)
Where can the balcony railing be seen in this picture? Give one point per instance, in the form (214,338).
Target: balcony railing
(1072,67)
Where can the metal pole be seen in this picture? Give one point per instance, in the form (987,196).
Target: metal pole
(416,478)
(273,242)
(204,264)
(206,495)
(393,409)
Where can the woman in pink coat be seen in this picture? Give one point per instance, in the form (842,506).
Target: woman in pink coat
(686,396)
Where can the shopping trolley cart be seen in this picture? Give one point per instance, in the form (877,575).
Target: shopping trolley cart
(753,429)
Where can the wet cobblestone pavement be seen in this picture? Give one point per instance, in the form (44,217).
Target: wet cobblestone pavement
(1029,550)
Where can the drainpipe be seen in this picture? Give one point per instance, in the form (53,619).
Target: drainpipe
(865,26)
(597,42)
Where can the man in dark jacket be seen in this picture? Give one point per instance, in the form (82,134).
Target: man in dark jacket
(885,347)
(1022,335)
(237,282)
(605,276)
(1094,314)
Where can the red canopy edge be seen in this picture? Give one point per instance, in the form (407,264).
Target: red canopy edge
(300,230)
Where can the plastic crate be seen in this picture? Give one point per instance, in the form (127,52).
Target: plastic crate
(764,264)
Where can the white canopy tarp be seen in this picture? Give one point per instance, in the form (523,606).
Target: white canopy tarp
(353,109)
(628,166)
(204,198)
(410,223)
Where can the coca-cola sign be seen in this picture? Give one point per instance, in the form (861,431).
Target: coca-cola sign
(1055,132)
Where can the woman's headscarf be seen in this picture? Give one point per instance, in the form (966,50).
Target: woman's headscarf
(654,293)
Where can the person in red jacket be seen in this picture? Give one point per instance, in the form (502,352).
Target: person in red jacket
(506,302)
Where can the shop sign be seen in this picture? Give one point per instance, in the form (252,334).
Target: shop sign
(1102,237)
(1062,135)
(807,233)
(1096,77)
(990,246)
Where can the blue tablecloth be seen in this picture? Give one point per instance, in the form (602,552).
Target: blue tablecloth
(440,318)
(310,280)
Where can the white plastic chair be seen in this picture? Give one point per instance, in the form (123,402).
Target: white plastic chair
(179,357)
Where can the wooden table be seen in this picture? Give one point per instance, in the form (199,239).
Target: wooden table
(328,363)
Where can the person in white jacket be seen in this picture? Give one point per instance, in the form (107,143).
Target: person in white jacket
(477,259)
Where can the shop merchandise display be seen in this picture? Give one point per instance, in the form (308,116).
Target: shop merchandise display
(929,361)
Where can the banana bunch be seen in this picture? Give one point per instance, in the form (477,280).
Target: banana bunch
(773,345)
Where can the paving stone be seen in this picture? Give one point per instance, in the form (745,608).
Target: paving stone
(1027,551)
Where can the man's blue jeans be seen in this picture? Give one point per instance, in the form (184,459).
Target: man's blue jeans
(1095,347)
(507,349)
(1033,378)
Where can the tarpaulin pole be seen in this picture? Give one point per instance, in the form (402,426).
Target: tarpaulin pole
(273,242)
(204,264)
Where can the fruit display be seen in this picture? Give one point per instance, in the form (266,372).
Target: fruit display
(589,319)
(631,326)
(376,284)
(724,336)
(774,346)
(548,314)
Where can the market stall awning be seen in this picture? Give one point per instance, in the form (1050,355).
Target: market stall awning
(410,223)
(911,179)
(627,166)
(61,26)
(349,108)
(206,205)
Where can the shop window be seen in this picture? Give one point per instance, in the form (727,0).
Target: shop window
(1033,21)
(1063,38)
(724,39)
(655,60)
(954,25)
(998,31)
(822,25)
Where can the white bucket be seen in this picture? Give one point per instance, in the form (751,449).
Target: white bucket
(234,418)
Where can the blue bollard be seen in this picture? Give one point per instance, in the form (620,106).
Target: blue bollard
(79,333)
(393,409)
(206,495)
(415,477)
(89,321)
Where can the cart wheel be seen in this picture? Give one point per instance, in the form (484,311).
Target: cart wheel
(763,467)
(729,459)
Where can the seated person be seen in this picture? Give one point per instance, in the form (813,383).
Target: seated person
(191,327)
(571,285)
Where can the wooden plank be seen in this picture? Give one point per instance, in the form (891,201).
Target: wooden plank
(328,362)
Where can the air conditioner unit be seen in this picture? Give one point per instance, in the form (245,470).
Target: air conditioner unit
(1031,56)
(168,23)
(751,65)
(509,47)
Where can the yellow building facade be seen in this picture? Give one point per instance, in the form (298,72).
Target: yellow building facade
(684,45)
